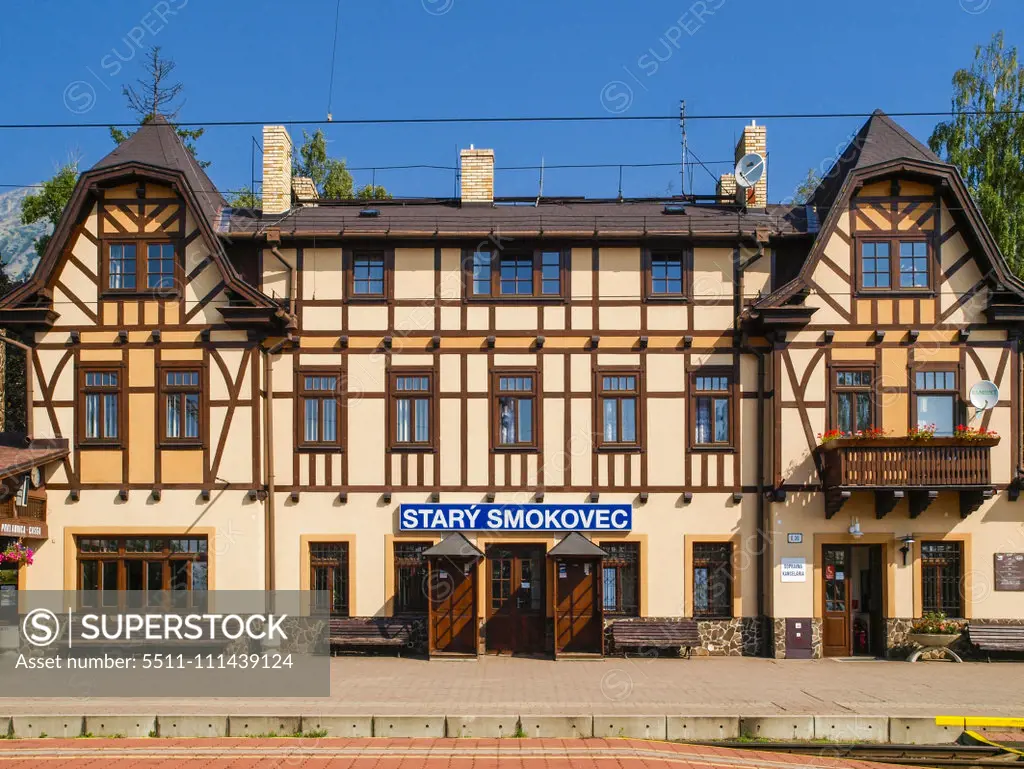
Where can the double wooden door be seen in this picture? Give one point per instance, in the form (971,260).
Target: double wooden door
(516,616)
(578,609)
(452,618)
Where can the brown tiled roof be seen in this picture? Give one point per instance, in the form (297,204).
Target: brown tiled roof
(576,217)
(15,459)
(156,143)
(879,140)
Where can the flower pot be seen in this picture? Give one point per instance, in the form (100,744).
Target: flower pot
(933,640)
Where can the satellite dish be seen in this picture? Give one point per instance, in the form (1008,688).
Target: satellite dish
(984,395)
(749,170)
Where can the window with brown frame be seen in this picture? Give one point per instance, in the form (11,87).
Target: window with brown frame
(141,266)
(368,275)
(667,273)
(853,399)
(181,410)
(412,406)
(153,569)
(511,273)
(514,405)
(620,578)
(712,579)
(711,409)
(319,410)
(936,397)
(942,578)
(328,562)
(411,580)
(99,407)
(894,264)
(618,399)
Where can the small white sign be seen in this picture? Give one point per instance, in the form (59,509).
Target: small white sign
(794,569)
(795,538)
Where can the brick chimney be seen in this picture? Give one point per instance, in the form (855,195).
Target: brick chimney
(726,187)
(277,169)
(477,175)
(304,190)
(754,139)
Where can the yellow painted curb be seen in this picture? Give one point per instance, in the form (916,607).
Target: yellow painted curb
(985,740)
(982,721)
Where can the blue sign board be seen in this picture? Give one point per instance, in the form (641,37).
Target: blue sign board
(515,517)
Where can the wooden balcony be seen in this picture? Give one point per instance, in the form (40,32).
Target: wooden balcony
(898,468)
(29,521)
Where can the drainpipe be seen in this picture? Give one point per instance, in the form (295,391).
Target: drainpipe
(268,453)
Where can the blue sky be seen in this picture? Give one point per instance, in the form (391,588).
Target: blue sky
(270,61)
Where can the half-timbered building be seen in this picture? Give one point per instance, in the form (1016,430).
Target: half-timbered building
(271,399)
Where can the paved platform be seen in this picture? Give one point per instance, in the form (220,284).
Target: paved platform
(714,686)
(402,754)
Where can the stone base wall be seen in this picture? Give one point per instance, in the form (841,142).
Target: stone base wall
(778,650)
(737,637)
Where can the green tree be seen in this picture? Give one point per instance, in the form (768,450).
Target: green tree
(330,175)
(985,140)
(12,369)
(48,204)
(806,188)
(244,198)
(156,96)
(373,192)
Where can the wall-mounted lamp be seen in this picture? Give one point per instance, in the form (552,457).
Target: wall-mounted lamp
(253,495)
(539,496)
(435,342)
(490,342)
(122,335)
(74,337)
(73,495)
(386,497)
(912,335)
(594,496)
(539,342)
(435,497)
(687,497)
(204,335)
(687,341)
(342,497)
(387,342)
(642,497)
(489,496)
(879,335)
(642,343)
(205,495)
(965,334)
(907,542)
(737,497)
(854,529)
(155,336)
(122,494)
(829,336)
(595,340)
(294,496)
(156,495)
(343,341)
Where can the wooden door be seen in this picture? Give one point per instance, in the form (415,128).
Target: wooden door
(452,613)
(836,633)
(515,599)
(578,612)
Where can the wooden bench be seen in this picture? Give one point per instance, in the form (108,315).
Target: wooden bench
(376,632)
(997,638)
(656,635)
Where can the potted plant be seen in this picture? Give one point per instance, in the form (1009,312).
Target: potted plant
(934,631)
(17,554)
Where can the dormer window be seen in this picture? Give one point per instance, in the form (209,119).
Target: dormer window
(126,272)
(893,264)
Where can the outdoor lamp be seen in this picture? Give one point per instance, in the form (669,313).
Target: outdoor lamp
(854,529)
(907,541)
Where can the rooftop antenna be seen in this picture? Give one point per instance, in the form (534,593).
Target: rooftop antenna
(540,191)
(682,129)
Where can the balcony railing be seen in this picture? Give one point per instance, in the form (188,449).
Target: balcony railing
(35,511)
(898,467)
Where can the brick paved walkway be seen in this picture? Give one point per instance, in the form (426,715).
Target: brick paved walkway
(493,685)
(402,754)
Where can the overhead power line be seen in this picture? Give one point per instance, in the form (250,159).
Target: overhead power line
(516,119)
